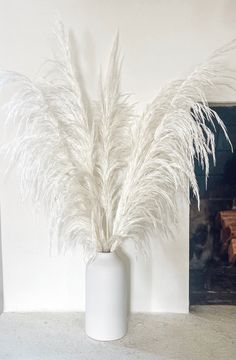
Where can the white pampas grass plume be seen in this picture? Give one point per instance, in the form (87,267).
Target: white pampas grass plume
(174,130)
(114,117)
(103,174)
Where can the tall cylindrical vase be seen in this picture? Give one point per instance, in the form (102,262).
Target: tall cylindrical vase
(106,297)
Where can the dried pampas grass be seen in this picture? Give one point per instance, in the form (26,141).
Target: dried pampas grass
(103,174)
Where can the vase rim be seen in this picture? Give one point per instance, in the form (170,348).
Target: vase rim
(105,252)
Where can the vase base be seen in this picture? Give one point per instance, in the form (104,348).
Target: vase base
(108,338)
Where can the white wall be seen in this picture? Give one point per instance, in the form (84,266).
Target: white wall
(161,40)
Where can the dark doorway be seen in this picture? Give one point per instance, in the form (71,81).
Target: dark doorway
(213,229)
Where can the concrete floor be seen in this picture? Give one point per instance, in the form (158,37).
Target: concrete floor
(208,332)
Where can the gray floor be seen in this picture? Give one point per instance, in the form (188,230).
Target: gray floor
(209,332)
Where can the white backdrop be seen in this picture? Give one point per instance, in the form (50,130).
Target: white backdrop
(161,40)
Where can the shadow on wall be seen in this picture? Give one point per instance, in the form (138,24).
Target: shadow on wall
(126,261)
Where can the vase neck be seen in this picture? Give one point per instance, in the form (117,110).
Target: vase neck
(105,254)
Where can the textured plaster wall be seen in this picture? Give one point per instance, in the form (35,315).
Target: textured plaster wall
(161,40)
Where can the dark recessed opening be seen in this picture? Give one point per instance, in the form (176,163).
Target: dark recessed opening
(213,229)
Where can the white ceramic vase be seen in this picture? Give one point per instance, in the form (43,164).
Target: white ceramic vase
(106,297)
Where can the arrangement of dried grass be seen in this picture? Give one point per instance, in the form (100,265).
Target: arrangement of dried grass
(102,173)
